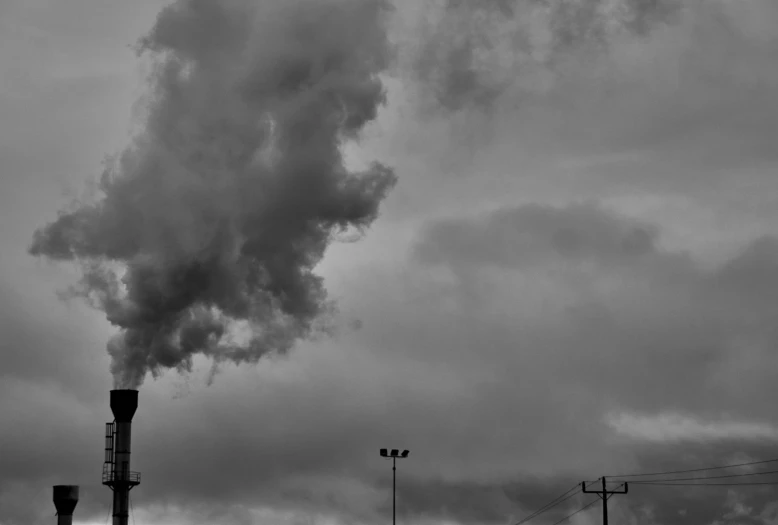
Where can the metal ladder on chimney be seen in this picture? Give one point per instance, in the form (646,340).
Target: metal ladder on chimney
(108,465)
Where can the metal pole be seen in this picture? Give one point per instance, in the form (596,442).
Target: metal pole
(604,503)
(394,485)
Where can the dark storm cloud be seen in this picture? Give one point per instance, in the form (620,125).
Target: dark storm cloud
(503,381)
(673,109)
(696,505)
(669,333)
(463,502)
(224,204)
(474,51)
(47,346)
(520,350)
(47,440)
(686,323)
(752,276)
(493,503)
(534,234)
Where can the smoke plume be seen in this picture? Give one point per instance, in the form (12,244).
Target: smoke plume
(215,216)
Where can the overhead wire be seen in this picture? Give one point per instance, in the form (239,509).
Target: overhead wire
(694,470)
(110,511)
(553,503)
(710,477)
(617,488)
(710,484)
(660,482)
(576,512)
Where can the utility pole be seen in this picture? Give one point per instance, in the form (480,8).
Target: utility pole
(604,494)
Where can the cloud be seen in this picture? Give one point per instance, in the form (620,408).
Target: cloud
(514,294)
(36,412)
(675,427)
(688,100)
(495,375)
(474,52)
(534,234)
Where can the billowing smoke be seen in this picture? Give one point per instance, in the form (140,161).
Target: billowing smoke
(216,215)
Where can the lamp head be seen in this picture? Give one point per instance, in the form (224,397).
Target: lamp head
(394,453)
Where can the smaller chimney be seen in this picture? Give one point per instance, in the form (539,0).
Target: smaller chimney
(65,499)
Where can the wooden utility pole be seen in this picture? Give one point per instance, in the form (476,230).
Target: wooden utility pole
(604,494)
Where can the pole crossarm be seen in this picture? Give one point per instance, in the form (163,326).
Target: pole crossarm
(604,491)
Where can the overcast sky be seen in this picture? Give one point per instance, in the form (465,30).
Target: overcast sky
(574,276)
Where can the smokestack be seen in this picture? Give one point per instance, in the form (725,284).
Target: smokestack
(124,403)
(116,469)
(65,499)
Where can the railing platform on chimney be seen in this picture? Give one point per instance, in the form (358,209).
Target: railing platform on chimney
(111,476)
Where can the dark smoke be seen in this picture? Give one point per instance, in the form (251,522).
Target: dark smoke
(473,51)
(223,205)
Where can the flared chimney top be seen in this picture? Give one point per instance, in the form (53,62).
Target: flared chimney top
(123,404)
(65,499)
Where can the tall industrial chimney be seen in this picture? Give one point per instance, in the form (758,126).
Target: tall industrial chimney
(65,499)
(116,469)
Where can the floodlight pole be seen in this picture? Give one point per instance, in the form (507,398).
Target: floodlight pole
(394,486)
(394,454)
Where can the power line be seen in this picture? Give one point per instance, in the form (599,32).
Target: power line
(711,477)
(658,482)
(548,507)
(694,470)
(110,508)
(661,482)
(576,512)
(553,503)
(707,484)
